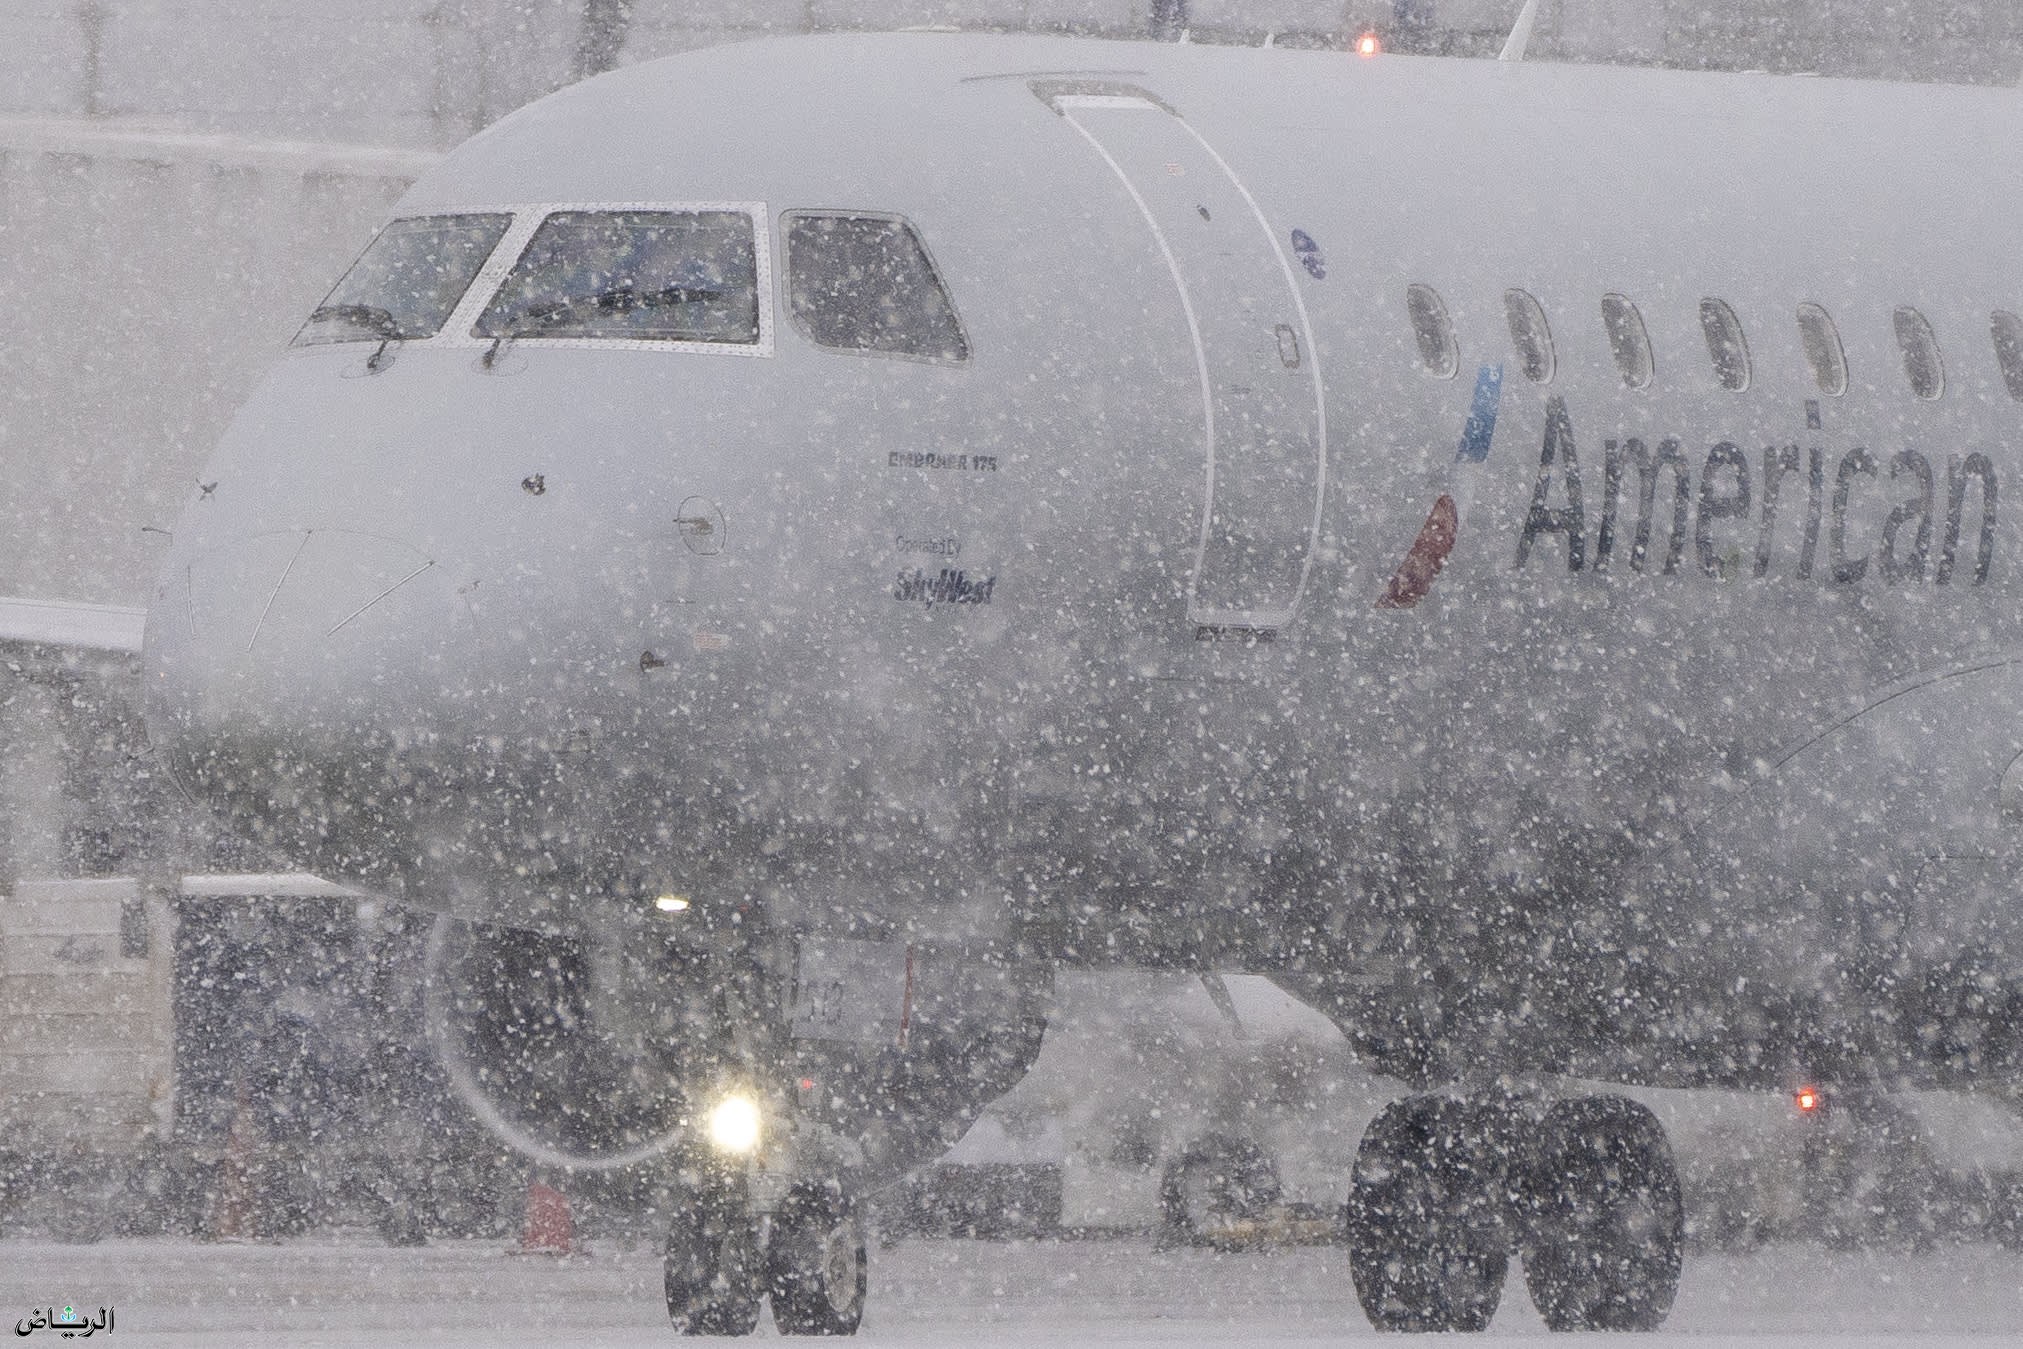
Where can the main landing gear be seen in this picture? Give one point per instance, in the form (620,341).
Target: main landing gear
(743,1232)
(1446,1189)
(1606,1228)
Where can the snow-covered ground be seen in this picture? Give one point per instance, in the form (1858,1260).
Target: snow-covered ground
(334,1292)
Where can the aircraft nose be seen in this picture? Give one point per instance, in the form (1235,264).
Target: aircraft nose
(294,590)
(283,635)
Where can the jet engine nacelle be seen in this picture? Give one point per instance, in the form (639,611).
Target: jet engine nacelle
(579,1048)
(604,1046)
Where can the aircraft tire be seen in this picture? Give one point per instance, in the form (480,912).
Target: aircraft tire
(816,1262)
(710,1272)
(1429,1221)
(1605,1222)
(1216,1180)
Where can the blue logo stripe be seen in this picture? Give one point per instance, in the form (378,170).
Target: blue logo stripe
(1481,427)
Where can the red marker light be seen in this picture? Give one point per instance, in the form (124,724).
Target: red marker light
(1807,1099)
(1367,45)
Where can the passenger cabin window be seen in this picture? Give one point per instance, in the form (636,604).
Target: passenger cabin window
(1439,354)
(640,276)
(407,281)
(2008,331)
(1922,366)
(1823,351)
(1530,335)
(865,283)
(1726,346)
(1628,340)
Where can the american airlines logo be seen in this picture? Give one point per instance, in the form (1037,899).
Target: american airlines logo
(950,587)
(1742,512)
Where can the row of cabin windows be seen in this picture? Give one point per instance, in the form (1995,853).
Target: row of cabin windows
(1727,346)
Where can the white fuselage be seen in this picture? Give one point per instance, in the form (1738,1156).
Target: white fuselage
(1078,642)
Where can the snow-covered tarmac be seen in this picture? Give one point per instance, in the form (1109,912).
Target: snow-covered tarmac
(343,1293)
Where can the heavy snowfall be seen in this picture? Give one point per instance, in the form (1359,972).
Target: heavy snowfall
(243,1103)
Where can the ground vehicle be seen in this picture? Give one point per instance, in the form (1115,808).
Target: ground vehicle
(1153,1109)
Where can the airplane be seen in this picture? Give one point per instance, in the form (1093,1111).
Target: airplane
(783,547)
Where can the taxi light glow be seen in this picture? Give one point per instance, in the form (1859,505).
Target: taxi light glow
(734,1124)
(671,904)
(1368,45)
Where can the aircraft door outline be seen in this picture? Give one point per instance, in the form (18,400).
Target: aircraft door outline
(1254,355)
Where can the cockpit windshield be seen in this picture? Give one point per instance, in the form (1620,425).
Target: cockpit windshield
(652,276)
(408,280)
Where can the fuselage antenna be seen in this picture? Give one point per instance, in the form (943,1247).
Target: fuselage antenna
(1520,33)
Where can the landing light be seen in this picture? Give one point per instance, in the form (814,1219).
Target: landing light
(1368,45)
(671,904)
(734,1124)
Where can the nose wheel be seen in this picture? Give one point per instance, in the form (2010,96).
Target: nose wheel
(722,1259)
(711,1270)
(817,1261)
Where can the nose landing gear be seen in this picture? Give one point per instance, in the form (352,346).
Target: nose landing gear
(711,1269)
(740,1235)
(816,1260)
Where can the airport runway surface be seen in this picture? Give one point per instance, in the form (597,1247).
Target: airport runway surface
(339,1291)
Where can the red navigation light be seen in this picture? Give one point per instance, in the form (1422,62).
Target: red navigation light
(1368,45)
(1807,1099)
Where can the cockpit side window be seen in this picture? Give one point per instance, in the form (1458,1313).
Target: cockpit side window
(640,276)
(861,282)
(407,281)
